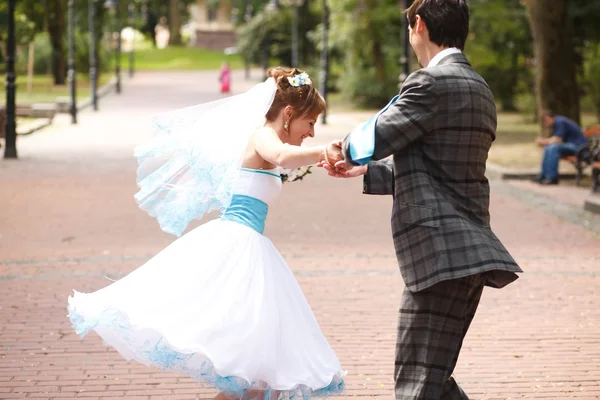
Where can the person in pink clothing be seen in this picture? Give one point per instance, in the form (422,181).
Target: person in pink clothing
(225,78)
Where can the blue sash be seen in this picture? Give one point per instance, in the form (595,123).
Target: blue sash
(248,211)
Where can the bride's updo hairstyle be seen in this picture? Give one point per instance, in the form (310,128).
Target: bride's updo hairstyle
(300,94)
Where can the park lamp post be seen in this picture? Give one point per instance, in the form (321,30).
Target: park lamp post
(130,15)
(72,76)
(405,59)
(269,8)
(113,9)
(295,4)
(11,125)
(325,58)
(144,12)
(248,12)
(93,59)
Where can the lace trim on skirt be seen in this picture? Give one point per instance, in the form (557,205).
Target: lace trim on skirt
(160,353)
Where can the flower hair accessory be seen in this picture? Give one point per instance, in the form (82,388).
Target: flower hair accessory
(299,80)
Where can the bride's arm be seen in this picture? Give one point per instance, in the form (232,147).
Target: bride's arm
(268,145)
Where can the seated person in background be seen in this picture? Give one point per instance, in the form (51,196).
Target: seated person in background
(566,140)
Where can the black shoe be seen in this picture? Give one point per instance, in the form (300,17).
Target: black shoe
(539,178)
(549,181)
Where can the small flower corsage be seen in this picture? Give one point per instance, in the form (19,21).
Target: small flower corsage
(293,175)
(299,80)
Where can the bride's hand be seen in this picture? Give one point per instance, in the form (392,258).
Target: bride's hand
(333,153)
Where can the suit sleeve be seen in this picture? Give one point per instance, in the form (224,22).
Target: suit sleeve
(359,144)
(409,118)
(379,178)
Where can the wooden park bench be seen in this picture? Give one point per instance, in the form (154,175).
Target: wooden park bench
(584,155)
(595,176)
(2,123)
(595,169)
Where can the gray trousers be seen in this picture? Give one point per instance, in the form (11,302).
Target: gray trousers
(432,324)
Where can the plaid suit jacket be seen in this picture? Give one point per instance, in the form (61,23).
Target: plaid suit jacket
(439,133)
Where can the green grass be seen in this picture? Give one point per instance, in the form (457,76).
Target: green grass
(181,58)
(515,140)
(146,58)
(44,90)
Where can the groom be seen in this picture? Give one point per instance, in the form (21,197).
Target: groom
(439,131)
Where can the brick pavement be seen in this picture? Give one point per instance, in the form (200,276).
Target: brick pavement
(68,220)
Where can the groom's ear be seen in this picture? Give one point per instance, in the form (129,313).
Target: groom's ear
(419,24)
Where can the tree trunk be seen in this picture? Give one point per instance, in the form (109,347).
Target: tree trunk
(174,23)
(379,61)
(376,48)
(555,58)
(508,103)
(56,30)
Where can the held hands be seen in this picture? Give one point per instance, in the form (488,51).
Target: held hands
(333,153)
(335,165)
(343,170)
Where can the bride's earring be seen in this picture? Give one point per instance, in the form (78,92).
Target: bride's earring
(285,126)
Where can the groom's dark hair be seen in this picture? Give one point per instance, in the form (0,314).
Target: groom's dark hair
(447,20)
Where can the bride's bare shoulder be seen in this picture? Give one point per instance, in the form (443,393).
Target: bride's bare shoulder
(265,129)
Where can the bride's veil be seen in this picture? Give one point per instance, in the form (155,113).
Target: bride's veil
(189,167)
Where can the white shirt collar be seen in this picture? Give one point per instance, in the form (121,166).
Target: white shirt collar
(438,57)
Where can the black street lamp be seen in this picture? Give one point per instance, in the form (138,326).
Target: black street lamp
(93,60)
(131,10)
(265,57)
(72,73)
(405,59)
(270,7)
(113,8)
(295,4)
(325,58)
(11,126)
(248,12)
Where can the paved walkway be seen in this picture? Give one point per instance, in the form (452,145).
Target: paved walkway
(68,220)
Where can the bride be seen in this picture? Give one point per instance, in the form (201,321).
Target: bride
(220,304)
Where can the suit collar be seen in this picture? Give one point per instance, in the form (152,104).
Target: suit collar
(458,58)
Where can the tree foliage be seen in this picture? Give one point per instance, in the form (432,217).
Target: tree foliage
(271,28)
(29,20)
(368,34)
(591,75)
(500,48)
(33,17)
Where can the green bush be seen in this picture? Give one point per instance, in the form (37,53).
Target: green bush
(43,55)
(82,53)
(271,26)
(363,87)
(275,26)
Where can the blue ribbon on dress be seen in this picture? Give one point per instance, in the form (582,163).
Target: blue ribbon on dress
(248,211)
(362,138)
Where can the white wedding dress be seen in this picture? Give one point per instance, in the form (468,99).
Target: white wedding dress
(220,305)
